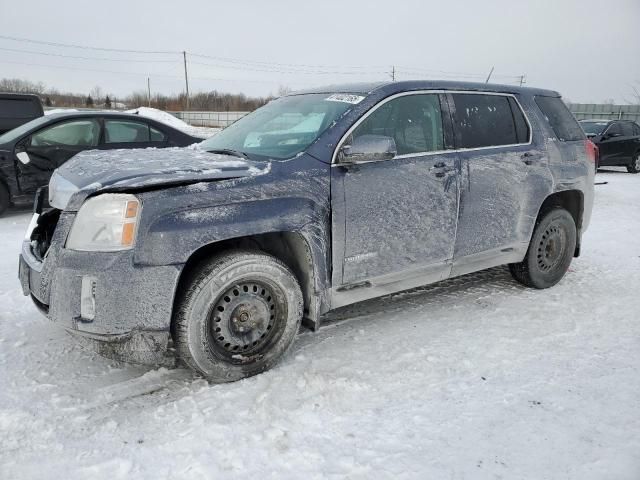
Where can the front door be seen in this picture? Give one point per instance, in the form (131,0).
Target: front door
(37,156)
(399,215)
(614,145)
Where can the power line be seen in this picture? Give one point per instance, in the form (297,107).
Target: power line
(138,74)
(248,65)
(290,65)
(85,47)
(275,70)
(32,52)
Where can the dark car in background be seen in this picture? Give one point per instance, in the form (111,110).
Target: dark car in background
(617,140)
(30,153)
(317,200)
(17,109)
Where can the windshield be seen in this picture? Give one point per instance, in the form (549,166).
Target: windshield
(23,129)
(593,128)
(283,127)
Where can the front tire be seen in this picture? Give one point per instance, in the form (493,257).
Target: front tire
(634,166)
(550,251)
(237,316)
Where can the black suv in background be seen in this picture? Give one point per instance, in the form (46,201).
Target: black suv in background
(618,141)
(17,109)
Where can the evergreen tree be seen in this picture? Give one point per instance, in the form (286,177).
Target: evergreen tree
(89,102)
(107,102)
(47,102)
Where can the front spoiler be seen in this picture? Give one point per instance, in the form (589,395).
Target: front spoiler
(143,347)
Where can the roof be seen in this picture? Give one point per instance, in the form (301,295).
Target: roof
(395,87)
(596,120)
(93,113)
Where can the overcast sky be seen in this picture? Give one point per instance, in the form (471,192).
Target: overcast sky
(588,50)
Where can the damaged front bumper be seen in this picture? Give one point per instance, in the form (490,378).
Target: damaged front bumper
(119,309)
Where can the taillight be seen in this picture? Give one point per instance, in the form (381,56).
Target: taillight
(592,151)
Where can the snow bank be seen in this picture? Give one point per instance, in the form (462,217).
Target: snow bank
(59,110)
(168,119)
(161,116)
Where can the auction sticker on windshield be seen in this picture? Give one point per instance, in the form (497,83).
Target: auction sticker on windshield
(345,97)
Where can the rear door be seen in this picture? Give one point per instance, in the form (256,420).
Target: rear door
(125,133)
(400,214)
(499,169)
(45,150)
(630,139)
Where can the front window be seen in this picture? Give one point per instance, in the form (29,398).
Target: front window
(83,133)
(23,129)
(413,121)
(283,127)
(593,128)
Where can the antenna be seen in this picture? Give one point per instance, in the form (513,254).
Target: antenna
(489,76)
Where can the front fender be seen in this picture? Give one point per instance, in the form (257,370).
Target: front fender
(174,237)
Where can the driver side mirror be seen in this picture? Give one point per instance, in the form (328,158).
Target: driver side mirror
(612,135)
(368,148)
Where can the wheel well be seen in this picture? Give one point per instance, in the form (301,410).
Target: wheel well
(289,247)
(570,200)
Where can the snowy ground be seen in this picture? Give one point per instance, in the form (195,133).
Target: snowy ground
(470,379)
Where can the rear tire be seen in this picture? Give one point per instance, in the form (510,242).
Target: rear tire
(5,198)
(634,166)
(237,315)
(550,251)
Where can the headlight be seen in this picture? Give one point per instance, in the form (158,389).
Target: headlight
(105,223)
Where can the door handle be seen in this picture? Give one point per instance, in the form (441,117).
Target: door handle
(440,169)
(529,158)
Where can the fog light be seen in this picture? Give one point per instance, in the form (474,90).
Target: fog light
(88,298)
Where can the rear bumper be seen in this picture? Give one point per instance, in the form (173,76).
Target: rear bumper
(132,305)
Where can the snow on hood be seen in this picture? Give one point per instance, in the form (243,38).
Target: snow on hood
(98,169)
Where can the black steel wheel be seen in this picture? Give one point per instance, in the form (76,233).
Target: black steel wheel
(550,251)
(236,315)
(246,319)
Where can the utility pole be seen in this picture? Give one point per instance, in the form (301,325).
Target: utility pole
(148,91)
(522,80)
(489,76)
(393,73)
(186,78)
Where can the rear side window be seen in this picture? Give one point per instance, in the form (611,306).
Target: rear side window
(486,121)
(627,129)
(560,119)
(126,131)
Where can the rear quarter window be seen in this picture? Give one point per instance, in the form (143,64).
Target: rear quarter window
(560,119)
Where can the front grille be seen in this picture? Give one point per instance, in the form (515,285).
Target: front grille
(43,233)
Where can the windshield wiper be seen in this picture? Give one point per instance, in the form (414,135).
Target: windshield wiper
(229,151)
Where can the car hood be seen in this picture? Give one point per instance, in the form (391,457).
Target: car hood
(114,170)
